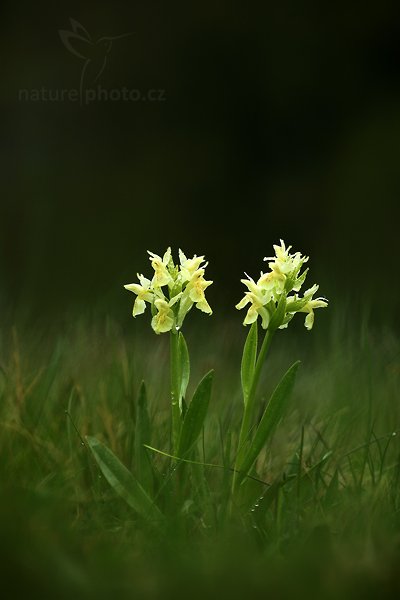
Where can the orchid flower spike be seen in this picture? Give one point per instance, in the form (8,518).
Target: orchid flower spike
(186,287)
(268,298)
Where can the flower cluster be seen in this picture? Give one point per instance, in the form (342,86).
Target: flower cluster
(186,286)
(268,297)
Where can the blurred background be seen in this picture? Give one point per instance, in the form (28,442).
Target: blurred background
(236,128)
(218,128)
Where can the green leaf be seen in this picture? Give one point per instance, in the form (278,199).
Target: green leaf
(143,468)
(195,415)
(273,413)
(184,362)
(249,360)
(123,482)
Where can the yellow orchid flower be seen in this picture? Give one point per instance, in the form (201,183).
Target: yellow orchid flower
(258,298)
(186,285)
(163,320)
(195,290)
(194,294)
(317,303)
(160,265)
(189,266)
(143,292)
(306,304)
(268,297)
(311,305)
(284,262)
(273,282)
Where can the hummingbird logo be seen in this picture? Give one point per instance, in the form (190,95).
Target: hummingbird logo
(93,52)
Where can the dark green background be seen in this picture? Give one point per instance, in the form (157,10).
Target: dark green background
(281,121)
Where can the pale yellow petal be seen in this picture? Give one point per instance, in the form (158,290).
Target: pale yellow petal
(133,287)
(309,321)
(243,302)
(139,307)
(251,316)
(204,306)
(264,314)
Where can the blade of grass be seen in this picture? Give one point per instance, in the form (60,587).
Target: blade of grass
(196,462)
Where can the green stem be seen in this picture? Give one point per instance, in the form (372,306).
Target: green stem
(175,391)
(249,407)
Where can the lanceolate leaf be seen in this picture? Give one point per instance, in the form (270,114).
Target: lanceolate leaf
(273,413)
(123,482)
(249,360)
(195,415)
(184,367)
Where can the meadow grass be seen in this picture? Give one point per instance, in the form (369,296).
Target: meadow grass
(319,516)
